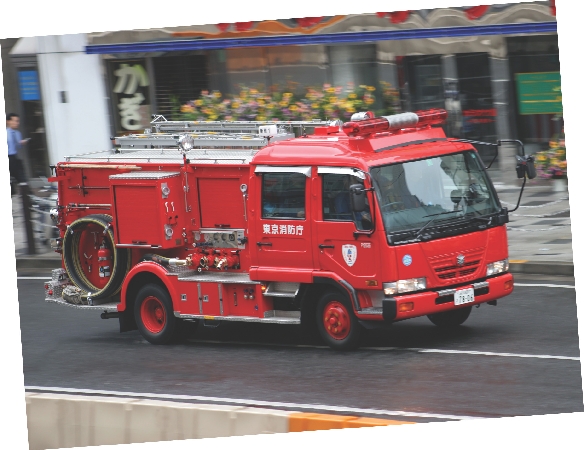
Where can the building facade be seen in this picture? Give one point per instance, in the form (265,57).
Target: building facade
(495,69)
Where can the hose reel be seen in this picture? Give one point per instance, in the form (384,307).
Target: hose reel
(85,242)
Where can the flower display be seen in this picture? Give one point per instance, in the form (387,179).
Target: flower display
(324,103)
(552,162)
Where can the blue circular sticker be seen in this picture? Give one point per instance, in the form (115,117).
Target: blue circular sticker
(407,260)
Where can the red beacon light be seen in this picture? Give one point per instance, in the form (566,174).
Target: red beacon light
(369,124)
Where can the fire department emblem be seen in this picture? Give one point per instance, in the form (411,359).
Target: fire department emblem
(349,254)
(460,260)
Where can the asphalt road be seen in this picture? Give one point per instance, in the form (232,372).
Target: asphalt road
(517,358)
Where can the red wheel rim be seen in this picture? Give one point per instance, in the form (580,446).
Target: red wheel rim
(336,320)
(153,314)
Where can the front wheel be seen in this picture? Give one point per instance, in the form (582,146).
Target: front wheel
(336,322)
(449,319)
(154,315)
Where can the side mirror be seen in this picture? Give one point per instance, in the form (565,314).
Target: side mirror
(358,197)
(525,166)
(456,196)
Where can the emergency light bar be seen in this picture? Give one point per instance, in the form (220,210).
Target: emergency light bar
(395,122)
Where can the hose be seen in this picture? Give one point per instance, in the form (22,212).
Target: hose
(72,261)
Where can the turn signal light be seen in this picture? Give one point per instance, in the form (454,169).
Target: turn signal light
(263,287)
(405,307)
(508,285)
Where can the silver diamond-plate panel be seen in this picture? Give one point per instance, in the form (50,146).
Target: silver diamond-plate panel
(59,275)
(219,277)
(194,156)
(110,307)
(144,175)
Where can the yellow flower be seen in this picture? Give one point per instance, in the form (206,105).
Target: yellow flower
(235,105)
(213,117)
(217,94)
(293,108)
(331,90)
(199,102)
(253,91)
(186,108)
(553,144)
(352,95)
(287,95)
(261,118)
(370,88)
(369,101)
(283,103)
(314,106)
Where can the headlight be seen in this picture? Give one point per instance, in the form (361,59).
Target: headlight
(498,267)
(402,286)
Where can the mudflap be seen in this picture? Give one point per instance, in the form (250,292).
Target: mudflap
(127,321)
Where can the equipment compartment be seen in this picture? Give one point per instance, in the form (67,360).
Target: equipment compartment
(148,209)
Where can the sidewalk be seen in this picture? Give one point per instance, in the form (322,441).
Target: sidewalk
(539,232)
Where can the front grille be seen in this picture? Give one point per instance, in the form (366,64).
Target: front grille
(446,267)
(457,271)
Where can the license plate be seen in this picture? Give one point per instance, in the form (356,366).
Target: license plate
(464,296)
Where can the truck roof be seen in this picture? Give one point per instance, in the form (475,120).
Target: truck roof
(338,149)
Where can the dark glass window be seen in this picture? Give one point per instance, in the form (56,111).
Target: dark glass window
(335,197)
(283,196)
(336,201)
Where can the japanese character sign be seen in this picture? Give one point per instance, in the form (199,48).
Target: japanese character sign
(130,96)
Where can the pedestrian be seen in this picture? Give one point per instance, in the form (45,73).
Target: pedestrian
(15,143)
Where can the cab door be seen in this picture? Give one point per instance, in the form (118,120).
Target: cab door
(354,257)
(283,229)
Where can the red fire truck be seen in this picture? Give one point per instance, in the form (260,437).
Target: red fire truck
(348,227)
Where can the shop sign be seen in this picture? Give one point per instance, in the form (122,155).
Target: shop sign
(28,82)
(130,95)
(479,115)
(539,93)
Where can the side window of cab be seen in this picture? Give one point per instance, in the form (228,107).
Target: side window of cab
(283,196)
(336,200)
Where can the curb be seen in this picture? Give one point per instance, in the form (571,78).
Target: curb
(65,420)
(541,268)
(515,266)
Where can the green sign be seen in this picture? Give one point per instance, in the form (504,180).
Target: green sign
(539,93)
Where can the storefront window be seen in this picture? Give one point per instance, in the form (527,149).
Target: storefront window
(476,100)
(535,55)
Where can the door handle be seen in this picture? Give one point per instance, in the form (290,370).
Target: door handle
(269,244)
(326,246)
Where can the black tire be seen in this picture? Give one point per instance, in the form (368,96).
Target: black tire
(345,336)
(154,315)
(450,319)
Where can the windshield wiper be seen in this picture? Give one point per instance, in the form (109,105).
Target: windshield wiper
(431,221)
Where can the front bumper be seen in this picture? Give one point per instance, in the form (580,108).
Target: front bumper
(438,300)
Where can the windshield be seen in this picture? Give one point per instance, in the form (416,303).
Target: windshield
(421,194)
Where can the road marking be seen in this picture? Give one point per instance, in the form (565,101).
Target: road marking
(34,278)
(246,402)
(513,355)
(388,349)
(565,286)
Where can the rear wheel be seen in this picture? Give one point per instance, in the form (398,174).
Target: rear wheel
(448,319)
(154,315)
(336,322)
